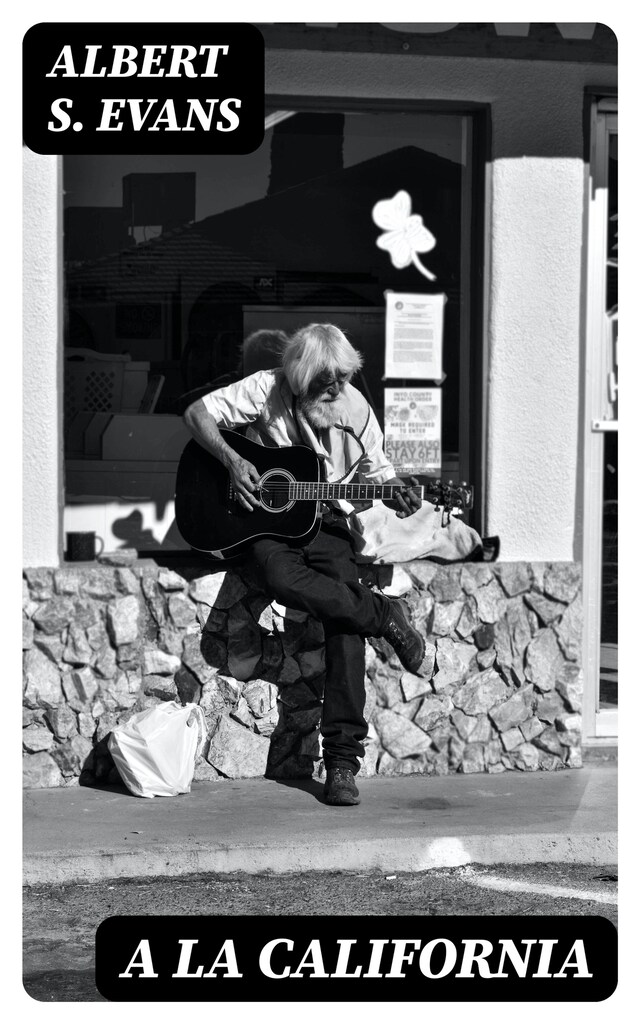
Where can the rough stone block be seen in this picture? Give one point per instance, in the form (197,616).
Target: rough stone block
(40,771)
(491,602)
(518,626)
(99,583)
(549,707)
(51,646)
(53,616)
(526,758)
(170,580)
(422,573)
(43,686)
(205,589)
(513,711)
(562,580)
(472,759)
(493,752)
(80,687)
(548,740)
(289,672)
(105,664)
(163,687)
(40,583)
(464,724)
(154,598)
(569,686)
(569,631)
(127,582)
(36,738)
(481,693)
(485,659)
(122,619)
(159,663)
(311,664)
(66,581)
(484,636)
(86,725)
(63,722)
(514,577)
(261,697)
(86,613)
(475,575)
(70,756)
(398,736)
(532,728)
(544,660)
(219,694)
(546,609)
(28,630)
(482,731)
(78,651)
(570,723)
(181,610)
(445,585)
(414,686)
(445,617)
(237,752)
(468,621)
(511,739)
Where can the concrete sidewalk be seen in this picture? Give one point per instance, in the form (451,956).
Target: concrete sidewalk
(403,824)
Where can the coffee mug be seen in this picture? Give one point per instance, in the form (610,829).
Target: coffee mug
(81,546)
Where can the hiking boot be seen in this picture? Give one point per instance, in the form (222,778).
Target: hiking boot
(340,787)
(407,643)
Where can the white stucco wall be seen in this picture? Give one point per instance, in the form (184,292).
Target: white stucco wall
(42,356)
(535,245)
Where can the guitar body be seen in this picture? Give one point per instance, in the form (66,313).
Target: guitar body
(211,519)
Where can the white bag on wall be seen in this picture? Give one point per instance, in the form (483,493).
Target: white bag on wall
(155,751)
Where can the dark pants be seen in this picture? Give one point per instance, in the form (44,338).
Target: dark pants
(321,578)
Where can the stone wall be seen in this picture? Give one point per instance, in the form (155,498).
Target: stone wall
(500,688)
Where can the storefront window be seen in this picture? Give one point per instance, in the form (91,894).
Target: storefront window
(170,263)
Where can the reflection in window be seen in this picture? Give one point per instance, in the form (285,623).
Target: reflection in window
(168,266)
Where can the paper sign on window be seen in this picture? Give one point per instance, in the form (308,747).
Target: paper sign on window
(413,335)
(412,429)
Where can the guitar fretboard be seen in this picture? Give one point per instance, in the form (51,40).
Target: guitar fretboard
(314,491)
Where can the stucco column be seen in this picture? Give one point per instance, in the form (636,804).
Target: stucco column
(42,495)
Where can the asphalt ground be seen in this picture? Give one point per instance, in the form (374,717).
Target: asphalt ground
(60,920)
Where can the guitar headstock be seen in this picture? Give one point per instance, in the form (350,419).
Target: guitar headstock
(449,495)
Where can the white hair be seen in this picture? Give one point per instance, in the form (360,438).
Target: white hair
(316,350)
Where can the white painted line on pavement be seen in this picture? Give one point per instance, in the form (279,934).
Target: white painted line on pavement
(537,888)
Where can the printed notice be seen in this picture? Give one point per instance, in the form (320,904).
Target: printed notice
(412,429)
(413,346)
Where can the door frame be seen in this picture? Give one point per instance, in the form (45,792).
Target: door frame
(599,727)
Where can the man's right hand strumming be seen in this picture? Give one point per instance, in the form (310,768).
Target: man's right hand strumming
(245,479)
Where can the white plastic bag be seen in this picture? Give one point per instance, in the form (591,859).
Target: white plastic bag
(155,751)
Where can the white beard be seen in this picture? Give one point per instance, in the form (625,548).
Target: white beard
(321,414)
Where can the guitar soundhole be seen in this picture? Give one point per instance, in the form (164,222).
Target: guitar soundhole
(274,490)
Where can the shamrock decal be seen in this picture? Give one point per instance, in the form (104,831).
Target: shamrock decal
(404,233)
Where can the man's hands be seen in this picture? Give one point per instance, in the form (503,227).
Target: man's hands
(407,501)
(245,479)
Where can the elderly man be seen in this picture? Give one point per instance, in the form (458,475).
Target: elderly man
(310,401)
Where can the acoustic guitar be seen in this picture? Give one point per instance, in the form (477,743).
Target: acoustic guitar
(211,519)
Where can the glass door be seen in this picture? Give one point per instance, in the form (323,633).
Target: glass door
(600,562)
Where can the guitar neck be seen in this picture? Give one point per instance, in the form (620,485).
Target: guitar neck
(314,491)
